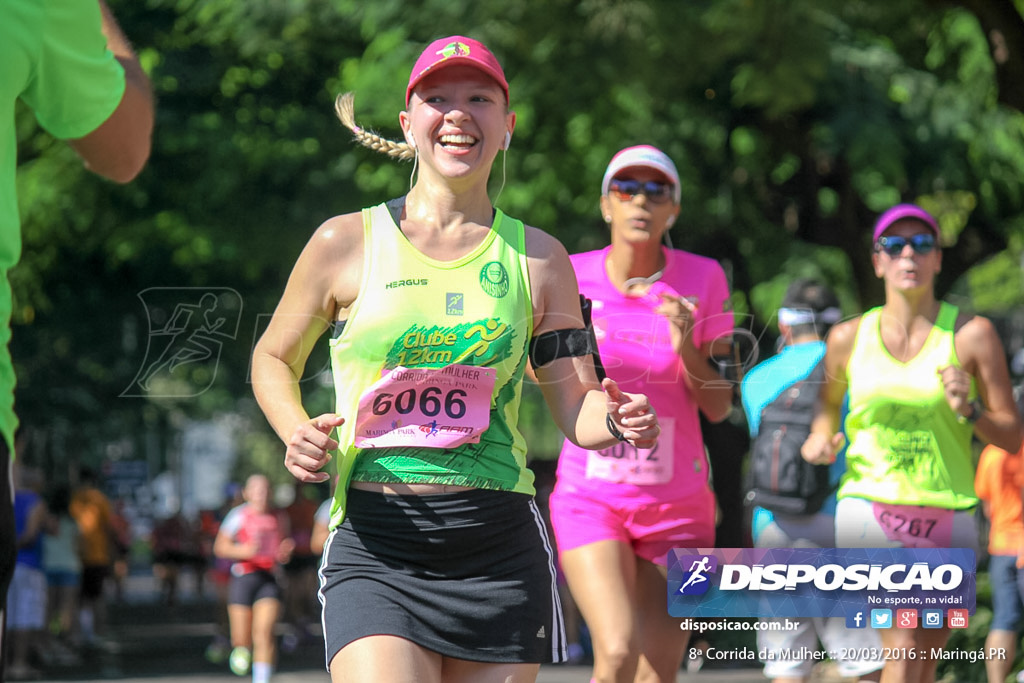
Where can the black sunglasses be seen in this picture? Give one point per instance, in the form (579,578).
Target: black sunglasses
(893,246)
(625,190)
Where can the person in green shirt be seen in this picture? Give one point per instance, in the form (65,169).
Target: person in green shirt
(71,64)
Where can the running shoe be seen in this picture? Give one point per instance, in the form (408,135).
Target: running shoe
(217,651)
(240,661)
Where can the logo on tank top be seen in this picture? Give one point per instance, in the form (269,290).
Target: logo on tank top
(480,342)
(453,302)
(494,279)
(418,282)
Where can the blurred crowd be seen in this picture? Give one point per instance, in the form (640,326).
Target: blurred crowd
(77,548)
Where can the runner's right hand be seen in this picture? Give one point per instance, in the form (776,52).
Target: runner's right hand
(309,448)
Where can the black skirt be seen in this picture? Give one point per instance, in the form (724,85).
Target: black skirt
(468,575)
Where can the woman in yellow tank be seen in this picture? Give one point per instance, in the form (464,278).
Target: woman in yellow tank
(437,567)
(921,378)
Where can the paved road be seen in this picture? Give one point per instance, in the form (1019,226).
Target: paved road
(155,643)
(152,643)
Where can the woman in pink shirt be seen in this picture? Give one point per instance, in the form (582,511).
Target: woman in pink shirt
(253,538)
(659,315)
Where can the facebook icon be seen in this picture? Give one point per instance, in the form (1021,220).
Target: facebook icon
(855,620)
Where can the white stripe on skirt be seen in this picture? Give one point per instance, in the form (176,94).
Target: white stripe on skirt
(559,647)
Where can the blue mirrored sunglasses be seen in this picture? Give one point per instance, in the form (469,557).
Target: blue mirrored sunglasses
(625,190)
(893,246)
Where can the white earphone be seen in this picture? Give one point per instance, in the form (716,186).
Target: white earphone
(412,140)
(670,221)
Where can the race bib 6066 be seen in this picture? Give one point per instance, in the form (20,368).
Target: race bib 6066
(426,407)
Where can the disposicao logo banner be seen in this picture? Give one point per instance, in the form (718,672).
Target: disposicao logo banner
(817,582)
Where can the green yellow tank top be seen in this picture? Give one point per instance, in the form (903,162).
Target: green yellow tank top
(906,445)
(416,312)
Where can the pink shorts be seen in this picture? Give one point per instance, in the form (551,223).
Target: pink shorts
(650,529)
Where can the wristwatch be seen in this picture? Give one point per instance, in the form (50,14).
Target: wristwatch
(976,410)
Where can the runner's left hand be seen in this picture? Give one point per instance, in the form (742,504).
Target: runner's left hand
(632,414)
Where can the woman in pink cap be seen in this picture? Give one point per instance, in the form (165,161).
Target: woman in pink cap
(922,379)
(659,315)
(437,566)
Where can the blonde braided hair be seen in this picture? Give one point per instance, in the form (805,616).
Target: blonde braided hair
(345,107)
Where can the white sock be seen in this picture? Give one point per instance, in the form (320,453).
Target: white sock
(261,672)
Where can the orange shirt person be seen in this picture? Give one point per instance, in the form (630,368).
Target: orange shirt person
(998,482)
(93,513)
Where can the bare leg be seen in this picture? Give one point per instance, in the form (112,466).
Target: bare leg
(264,616)
(240,623)
(997,668)
(385,658)
(904,669)
(663,644)
(602,577)
(461,671)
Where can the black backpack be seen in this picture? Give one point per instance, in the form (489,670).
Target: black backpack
(780,479)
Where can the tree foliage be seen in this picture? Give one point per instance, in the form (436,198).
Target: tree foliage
(793,122)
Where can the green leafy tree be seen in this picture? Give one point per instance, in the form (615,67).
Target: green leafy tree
(793,122)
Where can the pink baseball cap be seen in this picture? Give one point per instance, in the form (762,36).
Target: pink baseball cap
(644,156)
(901,211)
(455,50)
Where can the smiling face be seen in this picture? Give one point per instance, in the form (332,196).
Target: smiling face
(907,269)
(457,120)
(639,218)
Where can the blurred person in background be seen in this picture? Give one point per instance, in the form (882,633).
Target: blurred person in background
(92,511)
(218,570)
(27,599)
(998,482)
(300,604)
(121,539)
(796,509)
(255,538)
(62,564)
(174,546)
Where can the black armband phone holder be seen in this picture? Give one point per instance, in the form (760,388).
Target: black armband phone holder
(556,344)
(567,343)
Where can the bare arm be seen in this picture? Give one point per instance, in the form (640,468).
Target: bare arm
(227,548)
(982,356)
(120,147)
(578,403)
(324,280)
(712,393)
(825,439)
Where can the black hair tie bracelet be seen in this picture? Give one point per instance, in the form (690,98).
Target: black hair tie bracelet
(610,423)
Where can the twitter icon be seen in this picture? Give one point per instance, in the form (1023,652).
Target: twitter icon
(881,618)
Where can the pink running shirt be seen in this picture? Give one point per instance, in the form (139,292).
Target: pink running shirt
(245,525)
(636,350)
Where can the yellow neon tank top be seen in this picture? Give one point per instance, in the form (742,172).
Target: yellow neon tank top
(906,445)
(416,312)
